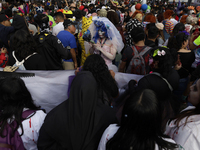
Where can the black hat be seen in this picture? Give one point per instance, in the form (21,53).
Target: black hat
(68,22)
(3,18)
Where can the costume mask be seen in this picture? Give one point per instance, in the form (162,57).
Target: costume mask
(101,34)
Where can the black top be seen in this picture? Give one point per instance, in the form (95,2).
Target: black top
(150,43)
(52,50)
(35,62)
(5,31)
(79,122)
(186,59)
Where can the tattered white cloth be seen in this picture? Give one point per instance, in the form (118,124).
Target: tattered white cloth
(50,88)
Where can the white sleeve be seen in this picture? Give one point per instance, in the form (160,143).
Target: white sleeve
(107,135)
(53,31)
(31,128)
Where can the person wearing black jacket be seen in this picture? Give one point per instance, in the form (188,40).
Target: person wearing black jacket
(5,30)
(49,46)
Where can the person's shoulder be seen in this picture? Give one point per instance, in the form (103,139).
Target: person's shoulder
(2,26)
(58,25)
(188,108)
(169,140)
(40,114)
(111,130)
(128,48)
(36,56)
(37,117)
(6,28)
(64,33)
(169,22)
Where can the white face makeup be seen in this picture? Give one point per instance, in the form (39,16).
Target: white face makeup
(101,34)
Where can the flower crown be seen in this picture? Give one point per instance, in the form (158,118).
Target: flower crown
(101,25)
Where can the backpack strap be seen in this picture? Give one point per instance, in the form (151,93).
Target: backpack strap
(17,62)
(143,51)
(27,113)
(20,63)
(169,85)
(30,56)
(134,50)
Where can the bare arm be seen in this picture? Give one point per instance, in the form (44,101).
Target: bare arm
(122,66)
(73,53)
(192,46)
(66,3)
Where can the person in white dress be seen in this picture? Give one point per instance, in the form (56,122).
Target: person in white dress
(140,127)
(184,129)
(107,39)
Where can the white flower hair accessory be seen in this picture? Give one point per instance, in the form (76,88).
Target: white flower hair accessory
(161,53)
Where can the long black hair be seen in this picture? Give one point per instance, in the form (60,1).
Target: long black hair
(23,44)
(96,64)
(140,127)
(14,98)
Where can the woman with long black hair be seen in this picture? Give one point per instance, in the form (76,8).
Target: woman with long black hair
(24,52)
(187,57)
(106,83)
(140,127)
(15,99)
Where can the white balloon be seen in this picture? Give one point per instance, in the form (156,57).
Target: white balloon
(133,8)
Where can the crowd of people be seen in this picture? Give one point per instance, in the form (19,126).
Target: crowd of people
(96,40)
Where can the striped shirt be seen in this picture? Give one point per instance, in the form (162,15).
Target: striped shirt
(169,26)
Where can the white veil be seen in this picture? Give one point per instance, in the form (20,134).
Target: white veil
(113,33)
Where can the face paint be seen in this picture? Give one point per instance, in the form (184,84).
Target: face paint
(101,34)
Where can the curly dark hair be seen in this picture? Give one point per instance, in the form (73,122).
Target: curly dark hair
(14,98)
(96,64)
(23,44)
(177,41)
(165,62)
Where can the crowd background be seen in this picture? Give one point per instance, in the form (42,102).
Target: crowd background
(97,40)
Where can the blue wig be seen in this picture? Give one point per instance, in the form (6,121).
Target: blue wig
(102,27)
